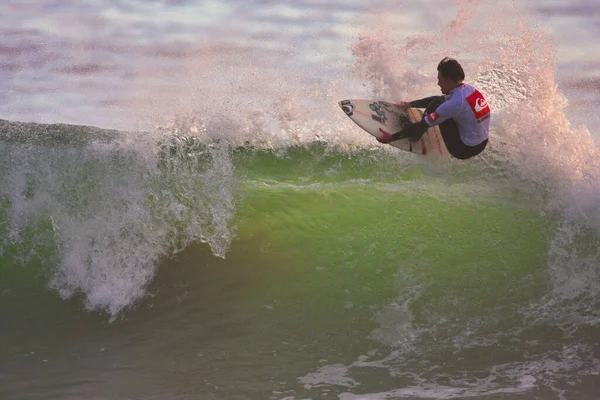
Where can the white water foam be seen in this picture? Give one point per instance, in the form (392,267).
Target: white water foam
(414,358)
(115,210)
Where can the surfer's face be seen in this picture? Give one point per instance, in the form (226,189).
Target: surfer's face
(446,84)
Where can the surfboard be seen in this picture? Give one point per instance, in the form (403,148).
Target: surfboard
(371,115)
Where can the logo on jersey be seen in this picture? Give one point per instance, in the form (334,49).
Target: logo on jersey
(479,105)
(433,116)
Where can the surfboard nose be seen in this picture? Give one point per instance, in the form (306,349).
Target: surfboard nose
(347,106)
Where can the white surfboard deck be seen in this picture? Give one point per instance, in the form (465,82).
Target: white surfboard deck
(371,115)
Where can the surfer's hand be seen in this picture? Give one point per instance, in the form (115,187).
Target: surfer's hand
(385,137)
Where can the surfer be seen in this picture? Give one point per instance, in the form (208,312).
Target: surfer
(462,114)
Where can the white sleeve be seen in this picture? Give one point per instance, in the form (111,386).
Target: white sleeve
(446,110)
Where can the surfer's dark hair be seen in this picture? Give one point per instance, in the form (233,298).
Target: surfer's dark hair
(450,68)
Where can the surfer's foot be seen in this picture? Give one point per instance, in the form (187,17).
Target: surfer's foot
(385,137)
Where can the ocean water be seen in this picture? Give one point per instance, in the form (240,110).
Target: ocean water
(186,213)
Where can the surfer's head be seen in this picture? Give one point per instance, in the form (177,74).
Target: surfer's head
(450,74)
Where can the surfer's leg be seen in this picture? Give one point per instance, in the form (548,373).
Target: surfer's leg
(412,131)
(415,131)
(455,145)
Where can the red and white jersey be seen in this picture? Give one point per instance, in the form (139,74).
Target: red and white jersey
(468,108)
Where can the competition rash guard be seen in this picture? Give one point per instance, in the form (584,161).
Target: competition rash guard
(469,109)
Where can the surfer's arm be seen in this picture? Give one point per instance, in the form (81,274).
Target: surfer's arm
(444,112)
(423,103)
